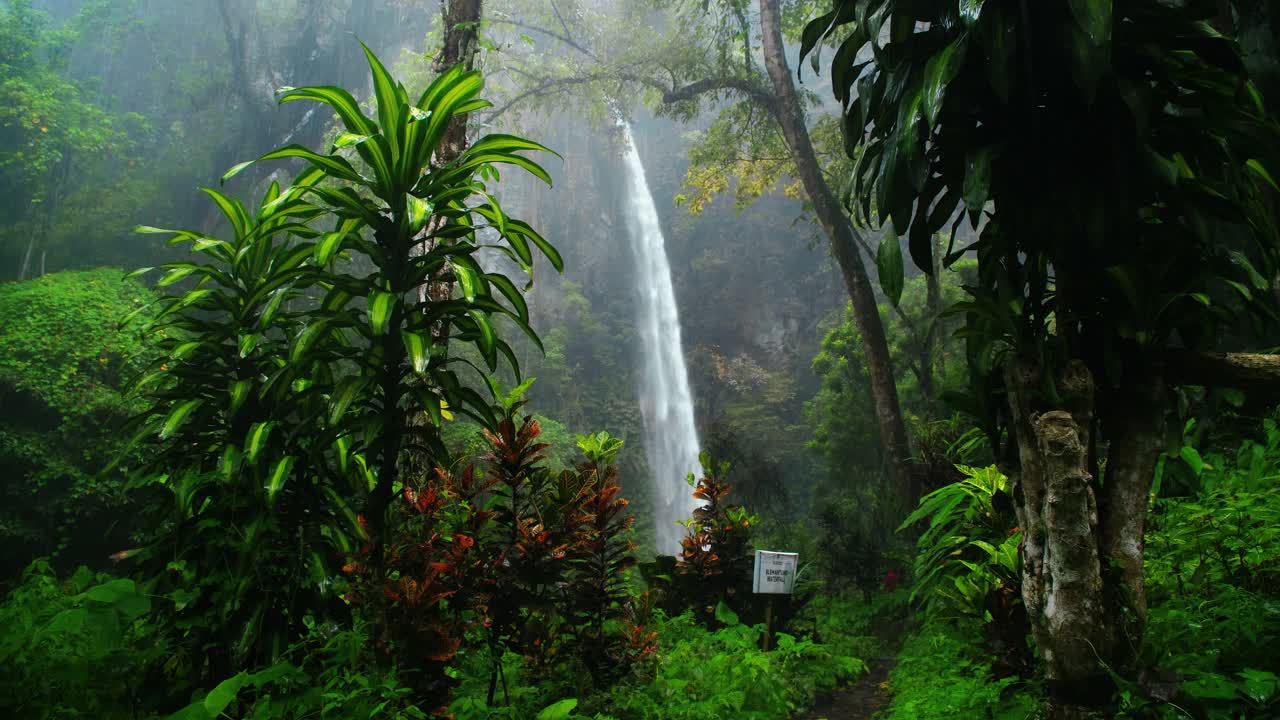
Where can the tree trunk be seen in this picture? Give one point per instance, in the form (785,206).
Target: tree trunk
(884,391)
(461,30)
(1062,581)
(26,258)
(1136,425)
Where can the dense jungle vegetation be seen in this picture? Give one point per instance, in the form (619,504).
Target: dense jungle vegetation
(977,303)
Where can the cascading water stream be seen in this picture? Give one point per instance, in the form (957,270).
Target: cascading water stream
(671,438)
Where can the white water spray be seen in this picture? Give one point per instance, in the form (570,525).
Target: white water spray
(671,439)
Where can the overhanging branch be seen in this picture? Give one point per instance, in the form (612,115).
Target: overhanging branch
(1254,372)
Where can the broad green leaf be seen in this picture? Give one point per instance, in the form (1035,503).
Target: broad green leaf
(333,165)
(346,393)
(558,711)
(548,250)
(234,211)
(1258,169)
(330,244)
(235,170)
(977,178)
(256,439)
(486,340)
(419,349)
(239,393)
(381,308)
(279,476)
(725,614)
(467,279)
(508,143)
(1192,458)
(348,139)
(342,446)
(1255,278)
(889,264)
(308,337)
(221,696)
(178,416)
(340,100)
(247,343)
(511,292)
(389,101)
(941,70)
(229,464)
(419,213)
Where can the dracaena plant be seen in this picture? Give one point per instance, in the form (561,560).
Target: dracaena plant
(249,517)
(385,334)
(305,382)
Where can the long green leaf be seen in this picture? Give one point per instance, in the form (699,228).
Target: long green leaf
(278,476)
(889,264)
(333,165)
(178,416)
(337,98)
(256,439)
(941,70)
(233,209)
(381,308)
(418,347)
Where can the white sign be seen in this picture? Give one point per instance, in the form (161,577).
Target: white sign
(775,573)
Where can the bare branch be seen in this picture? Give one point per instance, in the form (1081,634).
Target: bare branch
(564,38)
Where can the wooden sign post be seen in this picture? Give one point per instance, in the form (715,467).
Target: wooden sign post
(775,574)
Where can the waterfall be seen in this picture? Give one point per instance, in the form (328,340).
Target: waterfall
(671,439)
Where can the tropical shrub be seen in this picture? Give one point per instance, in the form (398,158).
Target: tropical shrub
(607,631)
(65,363)
(943,673)
(248,518)
(724,674)
(306,364)
(968,561)
(76,648)
(328,674)
(715,554)
(1213,579)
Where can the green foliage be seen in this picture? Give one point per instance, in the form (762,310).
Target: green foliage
(943,123)
(64,363)
(249,522)
(967,520)
(1214,591)
(607,634)
(942,673)
(327,674)
(75,648)
(715,554)
(54,133)
(855,626)
(300,383)
(723,674)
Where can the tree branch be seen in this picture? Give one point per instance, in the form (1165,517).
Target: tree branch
(754,92)
(564,38)
(1244,371)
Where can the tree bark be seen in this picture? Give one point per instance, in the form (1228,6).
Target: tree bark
(839,231)
(461,42)
(1135,422)
(1254,372)
(1062,579)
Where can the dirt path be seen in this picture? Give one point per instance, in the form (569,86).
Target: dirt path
(860,701)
